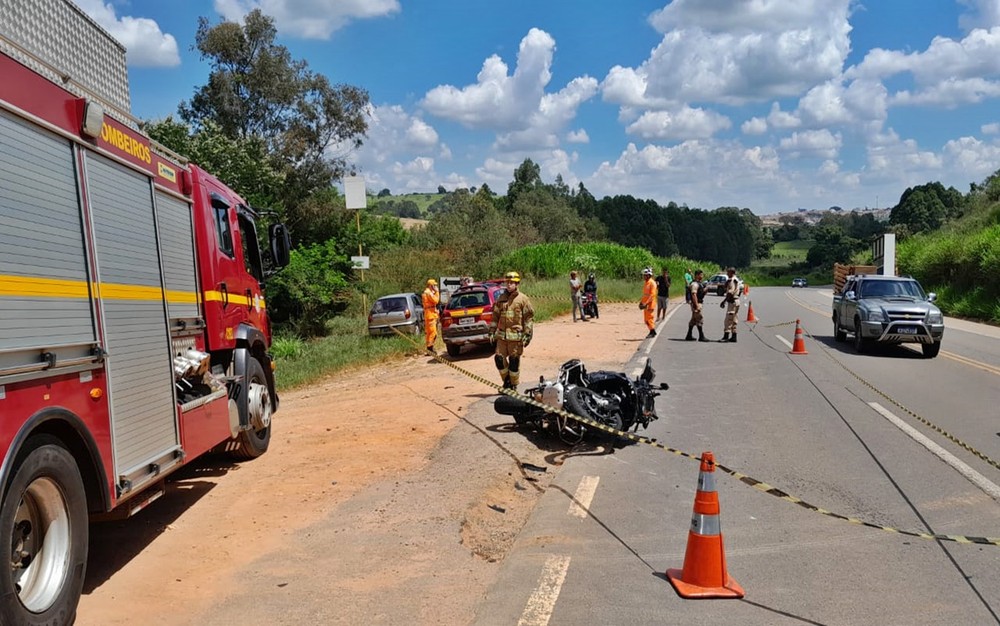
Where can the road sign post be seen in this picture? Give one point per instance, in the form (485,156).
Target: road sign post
(356,198)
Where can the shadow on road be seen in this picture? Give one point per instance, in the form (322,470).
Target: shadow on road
(114,544)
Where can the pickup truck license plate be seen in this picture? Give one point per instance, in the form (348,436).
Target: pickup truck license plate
(463,321)
(906,330)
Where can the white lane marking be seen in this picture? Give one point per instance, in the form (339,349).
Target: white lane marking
(538,610)
(784,341)
(977,479)
(584,495)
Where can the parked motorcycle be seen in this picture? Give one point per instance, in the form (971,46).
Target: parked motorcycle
(608,398)
(590,304)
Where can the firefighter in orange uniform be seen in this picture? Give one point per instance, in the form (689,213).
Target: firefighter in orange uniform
(431,298)
(648,302)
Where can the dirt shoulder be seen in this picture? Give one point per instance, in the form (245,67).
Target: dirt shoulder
(383,499)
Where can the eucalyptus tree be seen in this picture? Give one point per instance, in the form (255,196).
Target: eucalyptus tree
(255,89)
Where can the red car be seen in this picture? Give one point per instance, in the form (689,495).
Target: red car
(466,317)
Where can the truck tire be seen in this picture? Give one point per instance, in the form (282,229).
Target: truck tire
(44,520)
(839,334)
(861,344)
(931,350)
(453,350)
(254,442)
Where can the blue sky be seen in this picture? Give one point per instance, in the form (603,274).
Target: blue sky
(771,105)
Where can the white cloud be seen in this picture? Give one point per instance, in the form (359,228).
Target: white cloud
(309,19)
(948,73)
(974,158)
(899,159)
(145,44)
(628,87)
(402,146)
(515,106)
(733,51)
(782,119)
(393,131)
(812,143)
(577,136)
(950,93)
(497,100)
(420,133)
(832,104)
(685,123)
(754,126)
(990,129)
(696,173)
(981,14)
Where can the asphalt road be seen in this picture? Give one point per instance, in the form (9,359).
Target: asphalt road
(828,427)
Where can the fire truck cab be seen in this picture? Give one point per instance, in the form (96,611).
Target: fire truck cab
(133,326)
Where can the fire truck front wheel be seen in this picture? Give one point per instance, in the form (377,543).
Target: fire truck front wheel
(44,517)
(254,442)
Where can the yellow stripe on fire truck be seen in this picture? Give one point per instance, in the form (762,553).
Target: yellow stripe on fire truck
(233,298)
(35,287)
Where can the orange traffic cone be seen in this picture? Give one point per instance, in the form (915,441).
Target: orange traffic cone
(750,316)
(704,574)
(746,289)
(799,345)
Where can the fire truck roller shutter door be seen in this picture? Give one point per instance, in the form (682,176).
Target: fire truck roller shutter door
(177,246)
(44,294)
(140,377)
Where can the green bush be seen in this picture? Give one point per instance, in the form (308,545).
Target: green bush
(551,260)
(310,290)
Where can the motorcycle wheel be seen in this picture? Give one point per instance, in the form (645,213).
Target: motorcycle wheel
(589,404)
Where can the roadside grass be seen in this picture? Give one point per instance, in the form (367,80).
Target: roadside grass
(348,345)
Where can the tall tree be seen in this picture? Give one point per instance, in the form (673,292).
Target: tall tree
(257,90)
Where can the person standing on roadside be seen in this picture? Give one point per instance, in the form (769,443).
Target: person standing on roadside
(687,285)
(576,295)
(510,330)
(697,291)
(662,294)
(731,302)
(590,290)
(648,303)
(431,298)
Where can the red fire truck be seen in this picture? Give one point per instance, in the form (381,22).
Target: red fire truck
(133,329)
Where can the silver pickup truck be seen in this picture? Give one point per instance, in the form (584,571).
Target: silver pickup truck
(887,309)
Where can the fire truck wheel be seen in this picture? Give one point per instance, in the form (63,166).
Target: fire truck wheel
(44,517)
(254,442)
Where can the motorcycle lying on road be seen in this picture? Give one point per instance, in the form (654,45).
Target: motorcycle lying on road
(608,398)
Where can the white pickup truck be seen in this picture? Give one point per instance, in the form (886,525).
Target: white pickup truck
(887,309)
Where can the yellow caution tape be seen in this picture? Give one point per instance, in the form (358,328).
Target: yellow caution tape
(743,478)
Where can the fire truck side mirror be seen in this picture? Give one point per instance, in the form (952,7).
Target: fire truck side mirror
(281,245)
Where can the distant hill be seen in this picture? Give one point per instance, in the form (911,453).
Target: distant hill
(813,217)
(422,200)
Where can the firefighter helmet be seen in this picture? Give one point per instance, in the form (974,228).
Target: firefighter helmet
(431,281)
(512,277)
(648,271)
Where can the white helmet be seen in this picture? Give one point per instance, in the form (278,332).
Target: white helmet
(647,271)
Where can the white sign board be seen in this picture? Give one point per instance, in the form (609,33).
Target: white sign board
(360,262)
(354,192)
(884,254)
